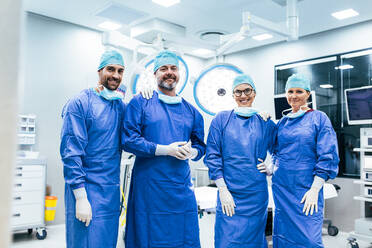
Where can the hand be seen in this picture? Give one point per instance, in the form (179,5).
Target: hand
(187,151)
(147,91)
(175,151)
(83,211)
(263,168)
(311,201)
(82,207)
(264,115)
(227,201)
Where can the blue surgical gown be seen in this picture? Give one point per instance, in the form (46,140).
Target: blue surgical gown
(91,151)
(162,210)
(234,146)
(306,147)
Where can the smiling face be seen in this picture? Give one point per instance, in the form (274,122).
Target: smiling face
(244,95)
(110,76)
(297,97)
(167,77)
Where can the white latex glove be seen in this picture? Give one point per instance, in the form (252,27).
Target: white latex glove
(264,115)
(263,168)
(82,207)
(147,91)
(171,150)
(311,196)
(188,151)
(227,201)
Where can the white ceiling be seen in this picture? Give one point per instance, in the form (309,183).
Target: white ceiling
(208,15)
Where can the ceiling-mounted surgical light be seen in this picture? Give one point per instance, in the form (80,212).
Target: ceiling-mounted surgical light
(347,13)
(109,25)
(166,3)
(344,67)
(213,88)
(262,37)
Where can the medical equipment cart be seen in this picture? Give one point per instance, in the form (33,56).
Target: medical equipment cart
(363,226)
(29,196)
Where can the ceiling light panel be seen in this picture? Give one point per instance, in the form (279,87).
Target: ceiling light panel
(166,3)
(344,14)
(326,86)
(344,67)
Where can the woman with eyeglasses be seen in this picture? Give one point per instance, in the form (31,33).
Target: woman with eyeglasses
(305,156)
(237,145)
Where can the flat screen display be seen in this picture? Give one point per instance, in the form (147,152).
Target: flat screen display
(359,105)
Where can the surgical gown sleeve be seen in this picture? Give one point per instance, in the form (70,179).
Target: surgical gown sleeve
(326,149)
(213,158)
(270,135)
(274,150)
(132,138)
(197,136)
(74,139)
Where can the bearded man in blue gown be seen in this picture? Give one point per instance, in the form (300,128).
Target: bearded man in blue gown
(91,153)
(164,132)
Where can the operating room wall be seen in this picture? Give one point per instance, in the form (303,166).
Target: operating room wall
(260,62)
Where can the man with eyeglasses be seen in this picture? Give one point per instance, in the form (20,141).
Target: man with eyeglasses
(237,145)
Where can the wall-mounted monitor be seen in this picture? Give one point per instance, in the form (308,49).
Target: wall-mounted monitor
(359,105)
(281,104)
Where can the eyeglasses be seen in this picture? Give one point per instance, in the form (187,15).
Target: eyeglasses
(246,92)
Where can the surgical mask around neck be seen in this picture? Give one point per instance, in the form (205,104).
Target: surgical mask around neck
(110,94)
(245,111)
(169,99)
(299,113)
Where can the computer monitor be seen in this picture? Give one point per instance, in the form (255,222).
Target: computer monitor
(280,104)
(359,105)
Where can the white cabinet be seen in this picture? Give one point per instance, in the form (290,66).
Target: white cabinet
(29,195)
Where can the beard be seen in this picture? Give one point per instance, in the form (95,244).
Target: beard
(164,85)
(111,86)
(167,86)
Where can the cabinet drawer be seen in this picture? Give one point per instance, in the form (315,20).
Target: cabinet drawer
(28,174)
(28,184)
(27,197)
(31,214)
(20,168)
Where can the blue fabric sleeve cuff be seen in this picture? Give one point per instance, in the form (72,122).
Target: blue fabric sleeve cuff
(76,186)
(153,149)
(199,155)
(322,175)
(215,177)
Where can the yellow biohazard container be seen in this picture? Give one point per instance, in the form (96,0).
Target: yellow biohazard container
(50,207)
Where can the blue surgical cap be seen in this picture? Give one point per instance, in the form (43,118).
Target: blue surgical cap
(243,79)
(110,57)
(298,81)
(165,58)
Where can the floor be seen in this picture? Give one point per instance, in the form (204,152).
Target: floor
(56,237)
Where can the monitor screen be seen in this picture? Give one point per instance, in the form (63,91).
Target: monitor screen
(280,104)
(359,105)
